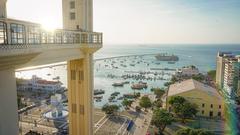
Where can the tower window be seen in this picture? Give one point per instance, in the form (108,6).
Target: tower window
(211,105)
(202,111)
(72,4)
(219,114)
(219,106)
(203,105)
(72,16)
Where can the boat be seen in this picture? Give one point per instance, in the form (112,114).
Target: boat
(111,98)
(139,86)
(98,100)
(98,97)
(171,62)
(166,57)
(118,84)
(130,95)
(98,92)
(120,98)
(56,78)
(115,93)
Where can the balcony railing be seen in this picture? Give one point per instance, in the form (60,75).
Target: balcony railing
(17,33)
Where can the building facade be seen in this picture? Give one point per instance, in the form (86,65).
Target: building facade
(187,71)
(208,100)
(38,84)
(228,73)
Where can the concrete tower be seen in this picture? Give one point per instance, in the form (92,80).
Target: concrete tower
(3,9)
(78,15)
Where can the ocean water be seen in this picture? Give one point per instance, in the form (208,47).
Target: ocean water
(202,56)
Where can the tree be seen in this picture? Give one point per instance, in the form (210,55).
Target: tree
(110,109)
(158,92)
(237,100)
(167,84)
(212,74)
(145,102)
(199,77)
(157,103)
(182,108)
(137,95)
(161,118)
(127,103)
(190,131)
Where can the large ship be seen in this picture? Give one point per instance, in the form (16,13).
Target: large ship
(166,57)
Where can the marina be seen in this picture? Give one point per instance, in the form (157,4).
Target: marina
(116,68)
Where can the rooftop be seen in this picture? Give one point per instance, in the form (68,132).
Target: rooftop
(189,85)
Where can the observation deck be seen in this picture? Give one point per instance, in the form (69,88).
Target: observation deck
(25,44)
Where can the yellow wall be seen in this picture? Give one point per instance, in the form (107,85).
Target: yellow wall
(199,97)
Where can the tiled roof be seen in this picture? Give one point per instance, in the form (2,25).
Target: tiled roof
(189,85)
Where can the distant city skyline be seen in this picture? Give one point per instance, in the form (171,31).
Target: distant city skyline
(146,21)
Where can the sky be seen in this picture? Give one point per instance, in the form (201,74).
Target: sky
(147,21)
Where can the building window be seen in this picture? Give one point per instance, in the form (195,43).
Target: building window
(3,33)
(219,106)
(203,105)
(33,35)
(219,114)
(211,105)
(210,113)
(72,4)
(202,111)
(72,16)
(17,33)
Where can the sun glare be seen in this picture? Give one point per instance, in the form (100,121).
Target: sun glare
(49,24)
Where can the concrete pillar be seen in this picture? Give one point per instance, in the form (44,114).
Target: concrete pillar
(3,9)
(8,103)
(80,96)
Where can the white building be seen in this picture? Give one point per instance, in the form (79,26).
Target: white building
(36,83)
(228,73)
(187,71)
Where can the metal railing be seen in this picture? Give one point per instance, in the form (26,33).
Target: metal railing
(22,34)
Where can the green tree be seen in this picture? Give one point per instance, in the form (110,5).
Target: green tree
(157,103)
(110,109)
(167,84)
(190,131)
(212,74)
(161,118)
(199,77)
(182,108)
(158,92)
(145,102)
(127,103)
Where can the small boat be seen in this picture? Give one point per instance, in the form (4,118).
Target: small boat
(139,85)
(115,93)
(110,99)
(98,97)
(171,62)
(48,74)
(120,98)
(56,78)
(98,92)
(118,84)
(98,100)
(132,65)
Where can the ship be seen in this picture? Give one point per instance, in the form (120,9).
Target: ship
(166,57)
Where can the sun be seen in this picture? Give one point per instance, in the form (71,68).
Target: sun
(49,24)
